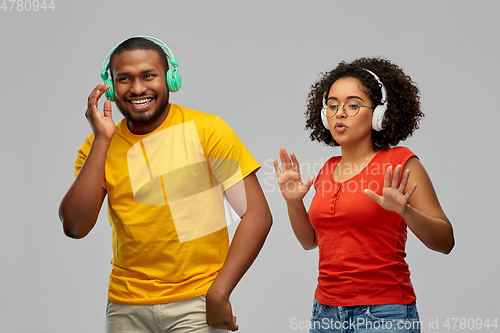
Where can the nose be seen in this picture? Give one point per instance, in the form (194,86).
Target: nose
(341,111)
(138,87)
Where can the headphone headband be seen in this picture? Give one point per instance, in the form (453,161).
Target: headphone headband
(382,87)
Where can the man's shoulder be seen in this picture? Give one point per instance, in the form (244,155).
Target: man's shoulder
(193,114)
(204,121)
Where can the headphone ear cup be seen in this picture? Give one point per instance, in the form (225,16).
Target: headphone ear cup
(110,93)
(378,119)
(174,81)
(324,119)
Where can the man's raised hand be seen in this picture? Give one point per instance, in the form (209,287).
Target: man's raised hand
(103,126)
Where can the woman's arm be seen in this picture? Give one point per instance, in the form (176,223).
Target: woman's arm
(424,215)
(293,191)
(415,200)
(301,225)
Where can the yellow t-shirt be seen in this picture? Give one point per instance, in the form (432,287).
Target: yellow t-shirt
(165,205)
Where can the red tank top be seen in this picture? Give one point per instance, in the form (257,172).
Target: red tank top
(361,245)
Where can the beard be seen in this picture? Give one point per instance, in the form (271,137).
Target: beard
(145,119)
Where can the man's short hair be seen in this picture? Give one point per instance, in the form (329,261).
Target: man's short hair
(139,43)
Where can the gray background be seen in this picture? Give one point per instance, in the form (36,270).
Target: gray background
(251,63)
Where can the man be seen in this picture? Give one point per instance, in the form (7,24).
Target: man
(165,169)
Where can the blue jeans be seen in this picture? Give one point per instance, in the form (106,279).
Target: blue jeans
(395,318)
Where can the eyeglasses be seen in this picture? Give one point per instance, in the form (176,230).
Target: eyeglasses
(350,109)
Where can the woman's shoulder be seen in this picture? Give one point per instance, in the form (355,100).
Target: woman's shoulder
(397,152)
(396,155)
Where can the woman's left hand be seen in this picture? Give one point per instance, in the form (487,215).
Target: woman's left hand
(393,197)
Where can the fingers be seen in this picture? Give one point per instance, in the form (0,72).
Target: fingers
(392,180)
(107,109)
(410,192)
(277,168)
(97,93)
(94,97)
(308,184)
(372,195)
(289,162)
(295,163)
(395,177)
(286,163)
(405,178)
(230,326)
(388,176)
(404,183)
(233,327)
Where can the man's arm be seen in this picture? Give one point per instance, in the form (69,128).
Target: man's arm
(248,239)
(80,206)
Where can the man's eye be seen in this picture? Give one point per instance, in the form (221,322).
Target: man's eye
(123,79)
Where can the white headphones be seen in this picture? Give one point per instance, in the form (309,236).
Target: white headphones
(378,119)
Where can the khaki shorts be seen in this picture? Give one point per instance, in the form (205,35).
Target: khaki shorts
(177,317)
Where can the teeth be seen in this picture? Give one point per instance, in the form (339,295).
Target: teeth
(141,101)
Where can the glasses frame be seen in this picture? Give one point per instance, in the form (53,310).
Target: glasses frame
(345,111)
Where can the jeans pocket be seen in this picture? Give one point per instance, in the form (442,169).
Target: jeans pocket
(316,312)
(387,312)
(394,317)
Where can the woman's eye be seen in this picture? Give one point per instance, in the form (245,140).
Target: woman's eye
(353,105)
(334,106)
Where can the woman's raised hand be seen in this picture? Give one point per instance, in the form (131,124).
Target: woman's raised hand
(394,198)
(289,181)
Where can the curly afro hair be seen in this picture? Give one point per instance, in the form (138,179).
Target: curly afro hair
(403,110)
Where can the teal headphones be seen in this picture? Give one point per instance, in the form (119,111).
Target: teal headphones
(174,81)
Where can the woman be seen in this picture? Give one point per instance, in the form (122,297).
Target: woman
(365,199)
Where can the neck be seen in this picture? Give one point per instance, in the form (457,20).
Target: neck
(145,128)
(358,152)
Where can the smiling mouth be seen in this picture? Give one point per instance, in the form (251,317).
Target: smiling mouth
(139,102)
